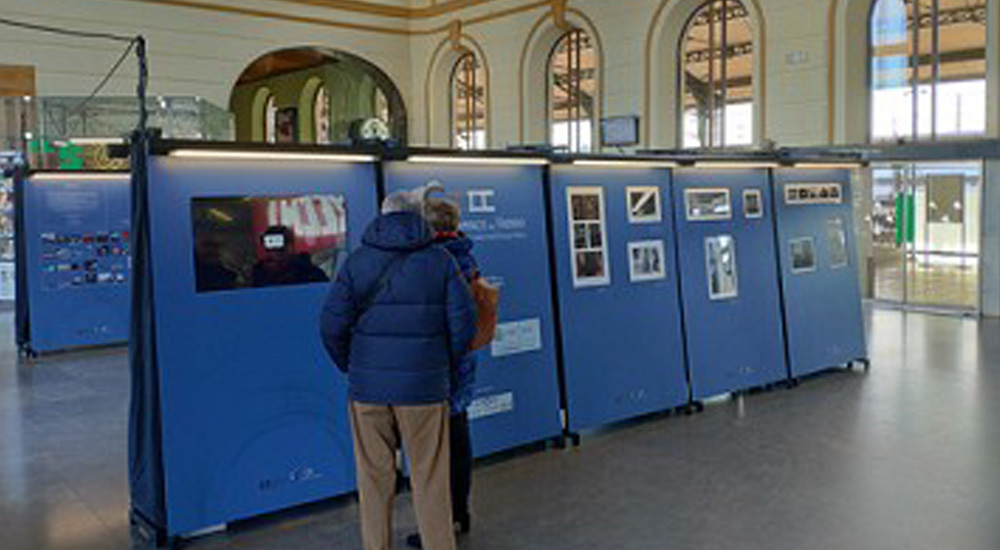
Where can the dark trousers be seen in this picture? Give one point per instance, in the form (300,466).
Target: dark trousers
(461,465)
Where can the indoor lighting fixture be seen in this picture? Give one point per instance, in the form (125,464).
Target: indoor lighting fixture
(97,141)
(624,163)
(263,155)
(827,165)
(428,159)
(735,165)
(80,176)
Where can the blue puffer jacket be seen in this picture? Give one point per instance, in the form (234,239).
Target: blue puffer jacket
(406,348)
(463,391)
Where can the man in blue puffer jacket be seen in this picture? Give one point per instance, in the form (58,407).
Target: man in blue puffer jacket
(398,322)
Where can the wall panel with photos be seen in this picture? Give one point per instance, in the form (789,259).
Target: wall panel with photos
(77,262)
(819,276)
(729,280)
(618,293)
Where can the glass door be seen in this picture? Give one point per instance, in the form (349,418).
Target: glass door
(942,255)
(886,264)
(925,231)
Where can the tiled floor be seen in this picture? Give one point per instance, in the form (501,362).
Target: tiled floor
(905,457)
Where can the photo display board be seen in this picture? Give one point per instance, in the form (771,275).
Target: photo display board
(503,212)
(819,268)
(253,411)
(623,348)
(78,260)
(729,277)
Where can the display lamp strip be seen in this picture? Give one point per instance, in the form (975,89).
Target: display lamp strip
(431,159)
(624,163)
(279,156)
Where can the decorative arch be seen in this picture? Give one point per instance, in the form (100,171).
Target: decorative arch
(259,113)
(437,88)
(661,94)
(398,117)
(533,71)
(307,109)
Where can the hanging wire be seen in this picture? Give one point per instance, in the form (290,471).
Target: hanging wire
(137,43)
(104,81)
(64,32)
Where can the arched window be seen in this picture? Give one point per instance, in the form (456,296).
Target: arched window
(270,120)
(928,69)
(716,76)
(573,92)
(321,115)
(468,103)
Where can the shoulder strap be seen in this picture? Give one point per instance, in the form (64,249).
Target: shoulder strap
(366,301)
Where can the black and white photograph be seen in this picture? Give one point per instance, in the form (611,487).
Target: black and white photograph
(646,261)
(803,255)
(837,242)
(753,204)
(708,204)
(588,240)
(720,258)
(644,205)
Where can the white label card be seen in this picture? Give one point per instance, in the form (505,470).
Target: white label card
(517,337)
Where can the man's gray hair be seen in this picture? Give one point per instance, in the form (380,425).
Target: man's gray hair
(402,201)
(413,200)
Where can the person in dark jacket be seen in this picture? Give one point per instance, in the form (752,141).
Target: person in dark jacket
(398,320)
(280,265)
(445,217)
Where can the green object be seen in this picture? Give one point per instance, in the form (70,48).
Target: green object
(906,218)
(71,158)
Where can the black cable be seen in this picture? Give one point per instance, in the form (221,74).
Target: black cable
(107,78)
(64,32)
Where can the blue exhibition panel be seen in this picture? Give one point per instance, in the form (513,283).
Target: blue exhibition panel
(77,266)
(729,277)
(623,343)
(503,207)
(819,269)
(254,413)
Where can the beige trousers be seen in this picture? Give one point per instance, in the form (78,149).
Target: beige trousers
(424,432)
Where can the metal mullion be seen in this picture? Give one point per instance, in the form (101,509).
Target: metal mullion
(724,47)
(935,63)
(711,74)
(915,72)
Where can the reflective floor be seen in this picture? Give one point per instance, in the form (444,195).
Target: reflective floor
(936,285)
(905,457)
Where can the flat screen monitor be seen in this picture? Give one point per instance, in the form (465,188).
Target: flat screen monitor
(620,131)
(256,242)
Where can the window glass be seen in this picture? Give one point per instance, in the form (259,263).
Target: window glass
(573,92)
(717,63)
(468,103)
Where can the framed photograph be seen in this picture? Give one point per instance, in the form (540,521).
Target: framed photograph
(708,204)
(287,122)
(646,261)
(813,193)
(803,255)
(837,241)
(753,204)
(588,237)
(644,205)
(720,262)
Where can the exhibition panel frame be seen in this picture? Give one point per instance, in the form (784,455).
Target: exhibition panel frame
(75,271)
(621,324)
(517,399)
(824,321)
(729,279)
(240,410)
